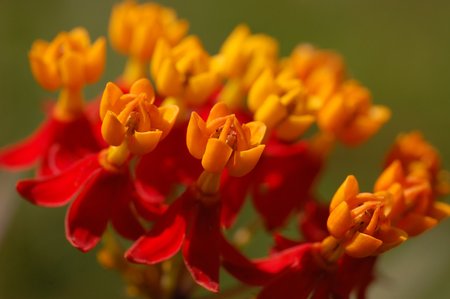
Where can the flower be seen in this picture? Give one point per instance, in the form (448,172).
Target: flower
(183,71)
(241,60)
(222,142)
(134,30)
(102,183)
(350,116)
(68,62)
(280,103)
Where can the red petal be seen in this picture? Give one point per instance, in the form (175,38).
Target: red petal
(201,248)
(72,141)
(283,243)
(293,284)
(283,180)
(168,165)
(313,225)
(123,218)
(58,189)
(27,151)
(164,239)
(88,215)
(233,192)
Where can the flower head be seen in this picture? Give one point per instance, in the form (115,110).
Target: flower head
(132,119)
(222,142)
(69,60)
(350,116)
(359,222)
(183,71)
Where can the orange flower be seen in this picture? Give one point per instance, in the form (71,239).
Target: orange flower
(281,103)
(131,122)
(222,142)
(183,71)
(359,222)
(350,116)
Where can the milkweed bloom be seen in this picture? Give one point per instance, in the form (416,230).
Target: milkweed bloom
(67,63)
(192,222)
(101,183)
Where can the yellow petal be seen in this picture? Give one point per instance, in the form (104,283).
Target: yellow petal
(257,132)
(348,189)
(46,74)
(233,94)
(415,224)
(162,52)
(95,60)
(113,130)
(271,112)
(440,210)
(71,67)
(216,156)
(200,87)
(143,86)
(143,41)
(196,136)
(260,90)
(111,95)
(362,245)
(294,126)
(218,110)
(340,220)
(168,80)
(141,143)
(391,238)
(242,162)
(169,115)
(392,174)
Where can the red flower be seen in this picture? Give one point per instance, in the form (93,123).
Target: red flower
(101,196)
(57,144)
(191,225)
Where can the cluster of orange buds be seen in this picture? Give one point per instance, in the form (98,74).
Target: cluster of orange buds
(281,103)
(68,62)
(134,30)
(131,122)
(350,116)
(415,175)
(359,223)
(242,59)
(183,71)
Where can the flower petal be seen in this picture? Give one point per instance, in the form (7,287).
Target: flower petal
(340,220)
(201,250)
(196,138)
(242,162)
(88,215)
(144,142)
(362,245)
(113,131)
(217,154)
(57,190)
(347,190)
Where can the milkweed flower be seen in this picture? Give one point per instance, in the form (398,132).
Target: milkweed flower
(241,60)
(134,30)
(193,222)
(350,116)
(102,183)
(68,63)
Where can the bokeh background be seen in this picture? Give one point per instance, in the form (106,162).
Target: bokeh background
(399,49)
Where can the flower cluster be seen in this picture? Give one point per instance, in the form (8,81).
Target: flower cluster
(170,150)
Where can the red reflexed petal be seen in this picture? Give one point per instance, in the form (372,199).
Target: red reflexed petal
(168,165)
(123,218)
(57,190)
(293,284)
(164,239)
(283,243)
(283,180)
(233,192)
(313,225)
(29,150)
(201,248)
(88,215)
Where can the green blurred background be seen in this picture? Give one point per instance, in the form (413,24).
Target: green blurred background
(400,50)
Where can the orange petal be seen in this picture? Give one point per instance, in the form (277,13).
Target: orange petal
(143,86)
(216,156)
(271,112)
(257,132)
(260,90)
(242,162)
(95,60)
(169,115)
(196,137)
(162,52)
(392,174)
(348,189)
(294,126)
(362,245)
(415,224)
(141,143)
(440,210)
(333,115)
(340,220)
(168,80)
(218,110)
(71,67)
(113,130)
(111,95)
(391,237)
(46,74)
